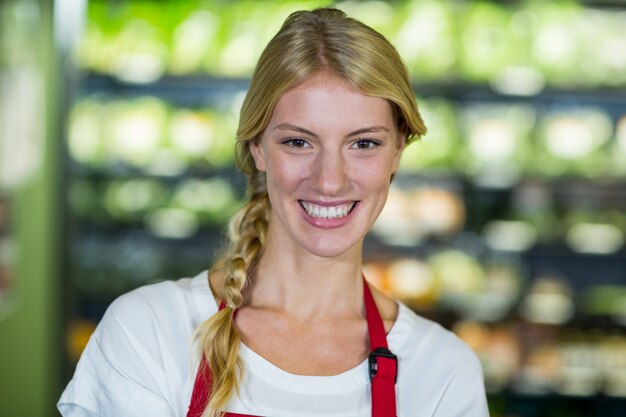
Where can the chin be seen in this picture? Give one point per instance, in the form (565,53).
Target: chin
(326,248)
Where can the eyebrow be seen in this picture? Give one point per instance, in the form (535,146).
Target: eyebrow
(370,129)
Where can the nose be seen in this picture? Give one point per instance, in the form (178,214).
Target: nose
(329,175)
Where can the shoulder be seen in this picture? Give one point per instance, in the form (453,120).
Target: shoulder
(185,298)
(154,315)
(446,370)
(419,339)
(140,349)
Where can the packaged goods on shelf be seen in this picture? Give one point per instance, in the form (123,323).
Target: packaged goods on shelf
(595,233)
(549,300)
(414,282)
(499,350)
(543,361)
(411,216)
(509,235)
(450,280)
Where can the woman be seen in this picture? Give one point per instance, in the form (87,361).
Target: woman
(285,324)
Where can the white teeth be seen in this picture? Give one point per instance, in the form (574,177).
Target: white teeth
(324,212)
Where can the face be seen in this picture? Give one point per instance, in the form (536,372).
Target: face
(329,152)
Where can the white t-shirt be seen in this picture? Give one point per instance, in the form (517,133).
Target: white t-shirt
(139,362)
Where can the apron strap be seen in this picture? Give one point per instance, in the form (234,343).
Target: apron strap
(383,368)
(383,365)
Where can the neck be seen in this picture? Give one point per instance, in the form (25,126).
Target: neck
(306,286)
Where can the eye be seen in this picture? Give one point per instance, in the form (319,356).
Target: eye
(366,144)
(296,143)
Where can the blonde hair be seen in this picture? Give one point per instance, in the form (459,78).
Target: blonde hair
(307,43)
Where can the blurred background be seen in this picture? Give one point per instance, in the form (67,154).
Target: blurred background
(506,223)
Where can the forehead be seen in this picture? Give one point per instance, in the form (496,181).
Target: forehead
(326,101)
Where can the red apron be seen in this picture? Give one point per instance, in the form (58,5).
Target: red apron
(383,369)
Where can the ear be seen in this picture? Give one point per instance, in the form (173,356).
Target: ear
(400,144)
(258,155)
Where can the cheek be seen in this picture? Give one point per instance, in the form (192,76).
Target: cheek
(373,175)
(284,173)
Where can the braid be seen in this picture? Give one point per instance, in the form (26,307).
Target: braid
(218,337)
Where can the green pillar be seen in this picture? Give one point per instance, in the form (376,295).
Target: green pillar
(30,330)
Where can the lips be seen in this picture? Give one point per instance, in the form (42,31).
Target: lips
(327,211)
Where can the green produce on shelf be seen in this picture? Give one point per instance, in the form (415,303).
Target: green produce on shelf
(574,141)
(149,134)
(384,17)
(130,40)
(213,200)
(85,141)
(602,35)
(426,39)
(496,147)
(557,44)
(606,300)
(130,199)
(241,31)
(135,130)
(173,223)
(193,40)
(486,44)
(439,149)
(460,275)
(440,40)
(192,133)
(222,151)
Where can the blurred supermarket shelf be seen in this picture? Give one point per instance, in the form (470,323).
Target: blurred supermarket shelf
(195,91)
(202,90)
(506,223)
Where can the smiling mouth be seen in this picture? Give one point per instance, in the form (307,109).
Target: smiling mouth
(327,212)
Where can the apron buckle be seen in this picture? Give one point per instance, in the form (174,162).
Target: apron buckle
(382,352)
